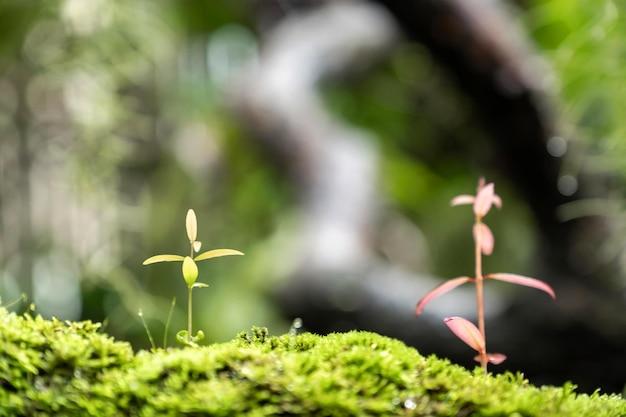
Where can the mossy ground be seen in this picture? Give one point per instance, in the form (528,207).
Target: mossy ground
(52,368)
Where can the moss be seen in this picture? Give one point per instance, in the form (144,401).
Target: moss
(45,365)
(52,368)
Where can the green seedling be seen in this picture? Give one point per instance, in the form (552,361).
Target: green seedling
(484,242)
(190,273)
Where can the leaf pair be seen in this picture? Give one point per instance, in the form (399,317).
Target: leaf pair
(469,333)
(214,253)
(484,199)
(456,282)
(184,338)
(482,202)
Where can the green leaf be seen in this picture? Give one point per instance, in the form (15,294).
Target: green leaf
(215,253)
(199,285)
(190,271)
(163,258)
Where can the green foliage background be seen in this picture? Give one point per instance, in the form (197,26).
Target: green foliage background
(582,41)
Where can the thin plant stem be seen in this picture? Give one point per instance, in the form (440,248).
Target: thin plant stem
(189,300)
(167,322)
(189,309)
(480,302)
(147,329)
(22,298)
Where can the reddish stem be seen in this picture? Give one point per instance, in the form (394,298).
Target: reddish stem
(480,305)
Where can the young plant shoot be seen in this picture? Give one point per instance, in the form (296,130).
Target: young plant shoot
(190,273)
(484,241)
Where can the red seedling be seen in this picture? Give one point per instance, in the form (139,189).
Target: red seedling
(484,241)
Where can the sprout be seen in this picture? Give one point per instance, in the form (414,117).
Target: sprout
(484,243)
(190,272)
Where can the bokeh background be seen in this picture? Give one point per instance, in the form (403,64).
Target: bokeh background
(325,140)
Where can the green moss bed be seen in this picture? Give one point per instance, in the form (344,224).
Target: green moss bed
(54,368)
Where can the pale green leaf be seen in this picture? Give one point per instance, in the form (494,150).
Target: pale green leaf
(215,253)
(192,225)
(199,285)
(163,258)
(190,271)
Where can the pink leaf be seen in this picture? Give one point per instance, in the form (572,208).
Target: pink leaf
(440,290)
(497,201)
(467,332)
(495,358)
(484,238)
(484,200)
(462,199)
(521,280)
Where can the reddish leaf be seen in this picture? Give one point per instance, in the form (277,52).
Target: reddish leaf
(467,332)
(521,280)
(484,200)
(462,199)
(497,201)
(440,290)
(495,358)
(484,238)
